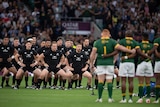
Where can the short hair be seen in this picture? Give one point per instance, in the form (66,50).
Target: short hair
(145,35)
(6,36)
(59,38)
(16,38)
(106,31)
(129,33)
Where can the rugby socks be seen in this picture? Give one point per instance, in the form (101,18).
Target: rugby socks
(123,96)
(117,83)
(32,80)
(148,90)
(96,83)
(80,81)
(130,95)
(7,82)
(140,88)
(100,90)
(44,83)
(50,81)
(157,91)
(64,82)
(110,89)
(26,81)
(3,79)
(55,81)
(13,80)
(76,81)
(39,83)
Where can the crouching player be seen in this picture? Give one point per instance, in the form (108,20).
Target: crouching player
(52,60)
(28,63)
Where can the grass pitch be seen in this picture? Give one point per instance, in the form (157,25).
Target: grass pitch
(63,98)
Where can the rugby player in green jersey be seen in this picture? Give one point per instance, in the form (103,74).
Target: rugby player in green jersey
(104,50)
(127,65)
(156,49)
(144,70)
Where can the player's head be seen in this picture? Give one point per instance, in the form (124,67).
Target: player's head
(5,40)
(59,41)
(28,45)
(105,33)
(86,42)
(43,42)
(16,41)
(48,43)
(68,43)
(78,47)
(129,33)
(145,36)
(54,46)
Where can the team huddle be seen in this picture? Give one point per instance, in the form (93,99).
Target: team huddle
(69,64)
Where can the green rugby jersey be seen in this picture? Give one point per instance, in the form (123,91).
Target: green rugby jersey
(145,47)
(157,43)
(129,43)
(105,46)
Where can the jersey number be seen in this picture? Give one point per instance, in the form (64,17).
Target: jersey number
(128,47)
(104,50)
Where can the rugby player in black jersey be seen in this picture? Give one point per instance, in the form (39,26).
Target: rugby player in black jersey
(27,59)
(6,55)
(52,60)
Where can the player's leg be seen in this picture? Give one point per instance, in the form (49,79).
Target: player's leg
(123,74)
(5,72)
(43,75)
(19,77)
(36,73)
(140,88)
(157,76)
(89,78)
(101,77)
(148,87)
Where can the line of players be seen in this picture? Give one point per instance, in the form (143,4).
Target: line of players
(44,61)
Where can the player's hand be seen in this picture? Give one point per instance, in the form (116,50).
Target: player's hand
(32,65)
(84,69)
(9,59)
(22,64)
(133,51)
(58,66)
(104,55)
(46,65)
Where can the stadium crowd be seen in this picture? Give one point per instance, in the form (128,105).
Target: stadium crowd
(31,28)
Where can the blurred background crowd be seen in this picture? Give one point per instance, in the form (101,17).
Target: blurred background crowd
(42,18)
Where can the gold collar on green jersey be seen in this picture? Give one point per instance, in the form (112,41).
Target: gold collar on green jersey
(130,38)
(145,41)
(105,37)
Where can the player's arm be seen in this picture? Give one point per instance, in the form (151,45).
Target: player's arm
(17,57)
(35,61)
(93,57)
(157,54)
(68,65)
(13,55)
(110,54)
(143,54)
(61,61)
(153,49)
(124,49)
(86,66)
(41,58)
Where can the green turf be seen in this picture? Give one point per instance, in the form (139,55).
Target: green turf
(62,98)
